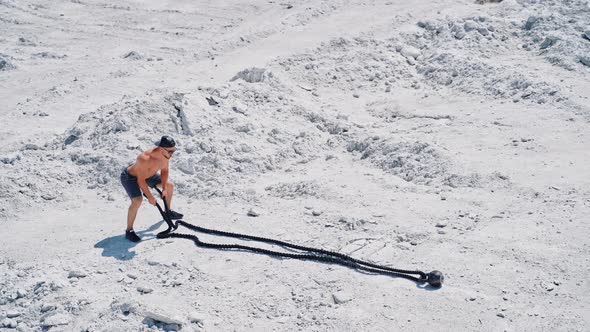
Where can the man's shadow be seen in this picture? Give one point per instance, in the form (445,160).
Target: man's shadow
(119,247)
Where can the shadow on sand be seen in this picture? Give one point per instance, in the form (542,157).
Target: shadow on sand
(119,247)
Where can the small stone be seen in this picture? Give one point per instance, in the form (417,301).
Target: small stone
(224,94)
(483,31)
(341,297)
(5,63)
(556,282)
(530,22)
(414,243)
(197,318)
(21,293)
(316,213)
(8,323)
(126,307)
(45,307)
(77,274)
(12,314)
(500,314)
(164,317)
(132,276)
(253,212)
(48,197)
(355,95)
(55,319)
(240,108)
(470,25)
(548,42)
(441,224)
(144,290)
(443,198)
(133,55)
(211,101)
(56,285)
(171,327)
(410,52)
(30,146)
(586,34)
(402,238)
(460,34)
(245,128)
(585,60)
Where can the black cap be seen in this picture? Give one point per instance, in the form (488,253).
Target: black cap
(166,142)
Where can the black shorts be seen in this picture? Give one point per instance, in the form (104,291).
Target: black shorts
(131,186)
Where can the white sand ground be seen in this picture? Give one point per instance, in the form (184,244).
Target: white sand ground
(431,135)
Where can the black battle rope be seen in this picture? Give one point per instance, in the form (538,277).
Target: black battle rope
(434,278)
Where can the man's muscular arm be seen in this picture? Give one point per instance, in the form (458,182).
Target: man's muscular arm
(144,187)
(141,167)
(164,175)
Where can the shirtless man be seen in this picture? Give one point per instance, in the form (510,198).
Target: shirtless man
(137,177)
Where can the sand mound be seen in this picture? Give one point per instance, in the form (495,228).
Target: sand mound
(555,31)
(412,161)
(349,64)
(458,53)
(253,75)
(220,145)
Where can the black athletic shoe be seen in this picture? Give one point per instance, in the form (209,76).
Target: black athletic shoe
(175,215)
(131,236)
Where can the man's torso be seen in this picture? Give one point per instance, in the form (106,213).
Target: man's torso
(146,164)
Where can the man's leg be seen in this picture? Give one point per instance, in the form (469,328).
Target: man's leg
(132,212)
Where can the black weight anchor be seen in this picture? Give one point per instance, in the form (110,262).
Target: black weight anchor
(435,279)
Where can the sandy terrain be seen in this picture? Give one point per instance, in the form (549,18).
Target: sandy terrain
(430,135)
